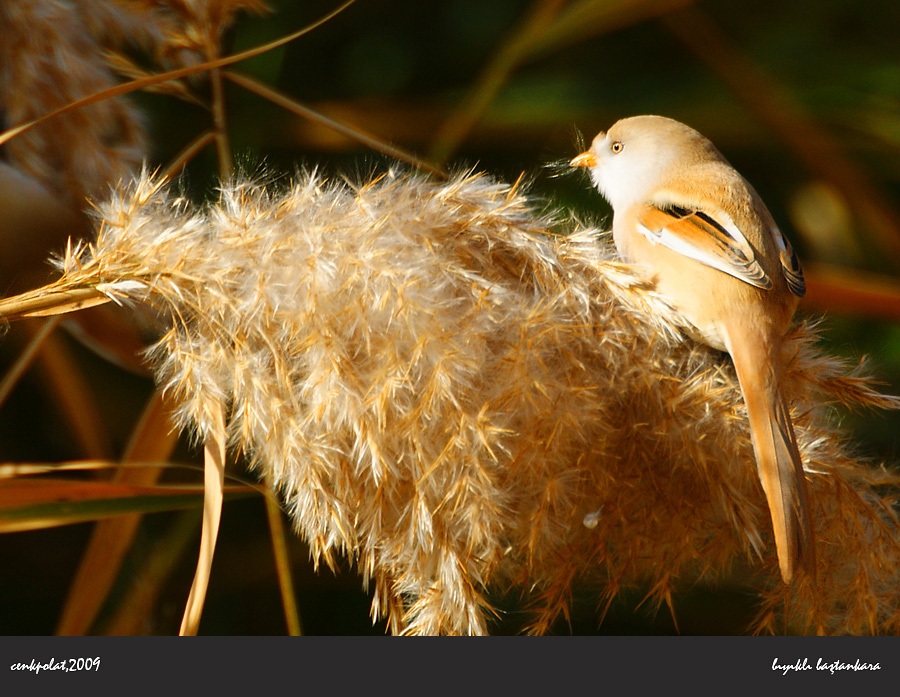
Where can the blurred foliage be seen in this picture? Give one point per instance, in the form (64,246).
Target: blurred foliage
(534,76)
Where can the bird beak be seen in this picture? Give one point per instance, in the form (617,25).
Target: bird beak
(585,159)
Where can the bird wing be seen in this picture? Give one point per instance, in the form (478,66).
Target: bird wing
(709,237)
(790,264)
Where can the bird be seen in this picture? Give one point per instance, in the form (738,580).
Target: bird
(690,221)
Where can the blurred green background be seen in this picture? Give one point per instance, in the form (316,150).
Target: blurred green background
(802,96)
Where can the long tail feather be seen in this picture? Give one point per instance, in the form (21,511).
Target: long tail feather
(777,458)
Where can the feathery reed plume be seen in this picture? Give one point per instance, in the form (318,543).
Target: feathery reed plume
(456,400)
(206,20)
(48,58)
(174,33)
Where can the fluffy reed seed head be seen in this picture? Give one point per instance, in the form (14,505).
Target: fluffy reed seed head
(458,400)
(52,55)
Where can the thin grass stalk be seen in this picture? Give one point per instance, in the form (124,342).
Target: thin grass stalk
(26,357)
(220,129)
(188,153)
(278,536)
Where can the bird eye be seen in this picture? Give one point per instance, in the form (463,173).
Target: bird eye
(617,147)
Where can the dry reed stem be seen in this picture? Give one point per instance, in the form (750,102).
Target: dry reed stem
(26,357)
(213,495)
(459,401)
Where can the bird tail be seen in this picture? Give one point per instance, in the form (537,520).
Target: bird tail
(777,458)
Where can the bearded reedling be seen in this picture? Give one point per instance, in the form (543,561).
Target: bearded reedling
(700,229)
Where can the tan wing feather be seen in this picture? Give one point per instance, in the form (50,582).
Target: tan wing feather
(711,239)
